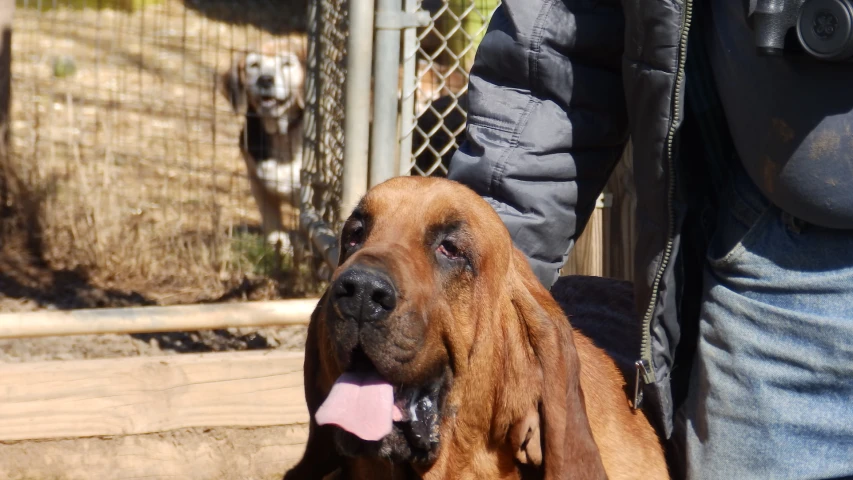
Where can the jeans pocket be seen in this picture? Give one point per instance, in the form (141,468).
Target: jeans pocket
(736,232)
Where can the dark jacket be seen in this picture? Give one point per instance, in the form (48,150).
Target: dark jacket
(557,88)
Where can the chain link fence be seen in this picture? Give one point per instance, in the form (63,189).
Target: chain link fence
(444,53)
(128,156)
(432,109)
(324,132)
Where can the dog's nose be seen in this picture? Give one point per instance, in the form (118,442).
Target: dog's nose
(266,81)
(364,294)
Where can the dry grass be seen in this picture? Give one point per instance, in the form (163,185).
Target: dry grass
(126,153)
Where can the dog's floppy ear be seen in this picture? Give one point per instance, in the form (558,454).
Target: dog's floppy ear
(321,457)
(232,84)
(301,56)
(557,436)
(298,45)
(299,95)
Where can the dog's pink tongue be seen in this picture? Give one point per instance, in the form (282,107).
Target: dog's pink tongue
(362,404)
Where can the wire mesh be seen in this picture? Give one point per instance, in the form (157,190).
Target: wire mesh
(324,131)
(434,91)
(444,52)
(127,145)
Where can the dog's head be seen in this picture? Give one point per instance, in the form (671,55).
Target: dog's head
(435,347)
(268,83)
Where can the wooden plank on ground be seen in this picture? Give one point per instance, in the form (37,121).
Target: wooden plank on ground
(150,394)
(259,453)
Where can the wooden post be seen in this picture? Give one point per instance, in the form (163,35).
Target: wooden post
(606,246)
(619,223)
(7,11)
(587,255)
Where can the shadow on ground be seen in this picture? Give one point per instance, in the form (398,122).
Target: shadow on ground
(277,17)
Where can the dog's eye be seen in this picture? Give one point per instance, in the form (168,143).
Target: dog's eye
(254,65)
(449,250)
(354,234)
(285,63)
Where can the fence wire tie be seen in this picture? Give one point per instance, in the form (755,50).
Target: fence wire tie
(386,20)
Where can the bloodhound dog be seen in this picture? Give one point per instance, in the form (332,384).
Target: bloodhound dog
(435,353)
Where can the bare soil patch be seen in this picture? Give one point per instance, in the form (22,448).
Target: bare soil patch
(190,454)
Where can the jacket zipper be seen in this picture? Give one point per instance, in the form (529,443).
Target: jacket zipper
(645,373)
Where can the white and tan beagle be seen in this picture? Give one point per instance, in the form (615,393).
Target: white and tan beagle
(267,87)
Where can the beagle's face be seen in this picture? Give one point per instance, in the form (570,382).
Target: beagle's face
(273,81)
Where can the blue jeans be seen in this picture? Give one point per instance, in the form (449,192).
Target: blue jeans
(771,392)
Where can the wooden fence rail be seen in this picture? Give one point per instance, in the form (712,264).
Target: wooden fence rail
(180,318)
(131,396)
(211,416)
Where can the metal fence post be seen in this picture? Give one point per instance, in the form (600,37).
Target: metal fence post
(408,91)
(390,20)
(383,160)
(357,121)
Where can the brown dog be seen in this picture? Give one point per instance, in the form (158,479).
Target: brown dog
(435,353)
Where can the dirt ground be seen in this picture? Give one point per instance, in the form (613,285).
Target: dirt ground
(189,454)
(28,283)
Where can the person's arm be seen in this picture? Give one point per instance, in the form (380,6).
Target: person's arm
(546,122)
